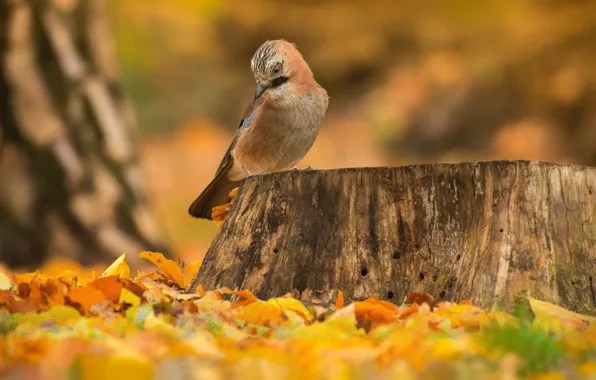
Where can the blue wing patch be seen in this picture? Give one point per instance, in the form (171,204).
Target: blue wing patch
(246,122)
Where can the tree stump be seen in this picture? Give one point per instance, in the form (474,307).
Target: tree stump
(485,231)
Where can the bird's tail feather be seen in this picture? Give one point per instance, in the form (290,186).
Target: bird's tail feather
(215,194)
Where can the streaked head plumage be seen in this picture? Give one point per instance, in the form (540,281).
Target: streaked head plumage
(274,64)
(274,58)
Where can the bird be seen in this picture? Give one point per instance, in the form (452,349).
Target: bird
(277,129)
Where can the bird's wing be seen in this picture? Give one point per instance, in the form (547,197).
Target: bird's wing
(249,116)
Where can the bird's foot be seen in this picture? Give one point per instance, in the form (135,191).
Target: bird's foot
(306,168)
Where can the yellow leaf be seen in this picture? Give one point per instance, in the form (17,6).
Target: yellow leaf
(203,345)
(5,283)
(166,266)
(129,297)
(588,368)
(118,268)
(191,270)
(157,323)
(275,311)
(545,311)
(348,312)
(129,367)
(286,303)
(260,313)
(58,314)
(331,329)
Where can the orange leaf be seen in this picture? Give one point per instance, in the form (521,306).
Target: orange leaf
(412,309)
(23,290)
(166,266)
(6,297)
(110,287)
(85,298)
(137,289)
(219,213)
(373,312)
(201,291)
(233,193)
(339,302)
(420,298)
(53,292)
(386,304)
(247,296)
(22,306)
(43,290)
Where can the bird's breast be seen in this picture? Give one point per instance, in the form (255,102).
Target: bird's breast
(282,134)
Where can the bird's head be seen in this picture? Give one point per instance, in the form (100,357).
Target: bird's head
(275,65)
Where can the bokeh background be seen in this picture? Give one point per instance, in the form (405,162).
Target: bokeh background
(409,82)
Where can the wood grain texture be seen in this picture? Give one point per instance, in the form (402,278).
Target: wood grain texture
(486,231)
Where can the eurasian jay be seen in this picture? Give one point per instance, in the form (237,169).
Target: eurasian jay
(278,128)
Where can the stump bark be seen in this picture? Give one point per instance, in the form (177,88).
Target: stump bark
(486,231)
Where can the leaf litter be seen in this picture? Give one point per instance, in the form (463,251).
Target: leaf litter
(64,322)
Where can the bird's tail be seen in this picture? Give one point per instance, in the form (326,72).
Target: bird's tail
(216,194)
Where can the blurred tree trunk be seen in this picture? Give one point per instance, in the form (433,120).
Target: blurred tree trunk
(70,181)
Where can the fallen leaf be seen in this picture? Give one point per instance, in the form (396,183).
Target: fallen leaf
(5,282)
(22,306)
(191,271)
(6,297)
(292,304)
(120,366)
(373,312)
(408,311)
(420,298)
(219,213)
(111,287)
(137,289)
(118,268)
(260,313)
(247,297)
(166,266)
(545,311)
(348,312)
(60,314)
(201,291)
(53,292)
(126,296)
(339,302)
(85,298)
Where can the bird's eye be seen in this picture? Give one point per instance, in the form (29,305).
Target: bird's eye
(276,71)
(279,81)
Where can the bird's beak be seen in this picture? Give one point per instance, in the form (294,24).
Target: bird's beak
(260,90)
